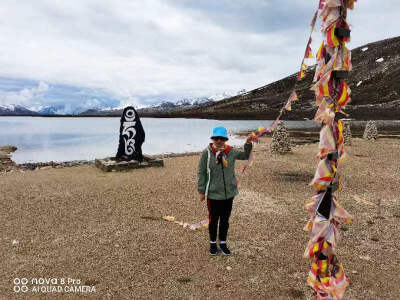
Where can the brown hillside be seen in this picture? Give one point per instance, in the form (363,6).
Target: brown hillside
(377,97)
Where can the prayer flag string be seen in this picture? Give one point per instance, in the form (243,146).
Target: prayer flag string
(327,276)
(302,74)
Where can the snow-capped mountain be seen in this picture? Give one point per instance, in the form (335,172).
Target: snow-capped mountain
(62,109)
(50,110)
(190,102)
(16,110)
(166,105)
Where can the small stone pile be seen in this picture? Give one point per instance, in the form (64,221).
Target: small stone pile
(371,132)
(6,163)
(280,140)
(347,133)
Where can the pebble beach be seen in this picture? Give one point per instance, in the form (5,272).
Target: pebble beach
(108,231)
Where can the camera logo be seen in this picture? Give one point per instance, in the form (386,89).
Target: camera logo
(20,285)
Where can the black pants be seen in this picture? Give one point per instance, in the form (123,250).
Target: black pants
(219,210)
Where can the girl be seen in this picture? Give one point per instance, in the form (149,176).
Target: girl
(217,183)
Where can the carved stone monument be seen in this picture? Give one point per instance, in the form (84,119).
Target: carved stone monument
(131,136)
(129,155)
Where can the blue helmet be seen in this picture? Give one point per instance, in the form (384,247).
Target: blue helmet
(219,131)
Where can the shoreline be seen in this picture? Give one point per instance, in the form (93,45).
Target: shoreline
(34,166)
(298,136)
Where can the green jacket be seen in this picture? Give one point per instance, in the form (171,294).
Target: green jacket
(223,183)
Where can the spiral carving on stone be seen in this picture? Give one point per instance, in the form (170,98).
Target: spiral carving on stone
(129,132)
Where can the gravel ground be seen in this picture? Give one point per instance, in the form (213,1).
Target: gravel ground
(106,229)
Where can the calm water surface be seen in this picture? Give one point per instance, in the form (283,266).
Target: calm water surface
(64,139)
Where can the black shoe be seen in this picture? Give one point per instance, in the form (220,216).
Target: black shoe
(213,249)
(225,250)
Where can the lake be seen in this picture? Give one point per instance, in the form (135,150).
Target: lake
(64,139)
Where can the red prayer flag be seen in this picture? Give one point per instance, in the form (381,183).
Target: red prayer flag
(301,75)
(309,53)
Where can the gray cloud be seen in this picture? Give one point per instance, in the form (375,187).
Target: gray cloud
(143,50)
(24,96)
(261,16)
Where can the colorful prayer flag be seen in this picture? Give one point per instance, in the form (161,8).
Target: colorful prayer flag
(309,50)
(327,276)
(331,38)
(293,96)
(324,175)
(347,65)
(288,105)
(309,53)
(343,61)
(169,218)
(321,52)
(302,72)
(343,96)
(326,90)
(261,130)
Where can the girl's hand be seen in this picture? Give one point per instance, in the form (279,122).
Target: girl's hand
(249,138)
(202,197)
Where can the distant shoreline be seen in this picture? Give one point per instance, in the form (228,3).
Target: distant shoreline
(222,118)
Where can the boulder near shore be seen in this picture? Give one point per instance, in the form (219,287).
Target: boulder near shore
(6,164)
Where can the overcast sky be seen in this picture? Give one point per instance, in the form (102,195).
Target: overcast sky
(144,51)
